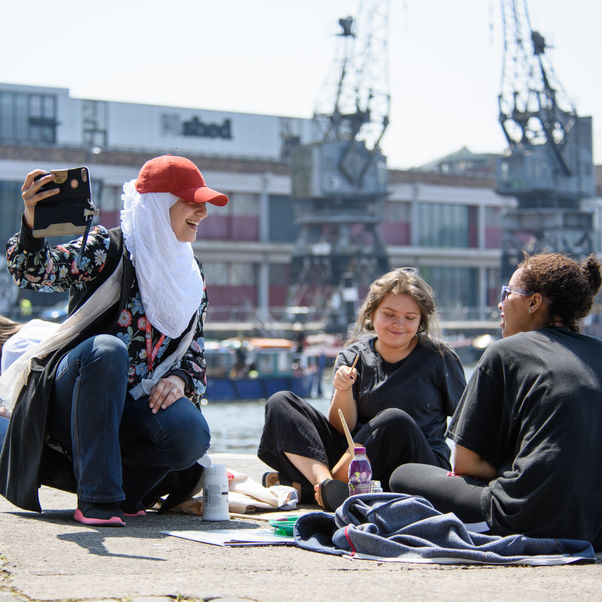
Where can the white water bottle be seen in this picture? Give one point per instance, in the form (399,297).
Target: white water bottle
(215,493)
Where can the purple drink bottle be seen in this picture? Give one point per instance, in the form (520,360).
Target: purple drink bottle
(360,472)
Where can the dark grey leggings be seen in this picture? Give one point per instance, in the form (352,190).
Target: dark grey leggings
(460,495)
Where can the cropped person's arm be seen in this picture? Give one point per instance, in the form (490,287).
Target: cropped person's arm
(469,464)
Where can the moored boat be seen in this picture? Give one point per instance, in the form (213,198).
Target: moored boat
(255,368)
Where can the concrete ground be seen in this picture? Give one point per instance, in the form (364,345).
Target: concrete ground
(49,556)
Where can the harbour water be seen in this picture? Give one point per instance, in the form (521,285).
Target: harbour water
(236,425)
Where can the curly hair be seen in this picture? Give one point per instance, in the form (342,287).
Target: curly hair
(399,281)
(568,287)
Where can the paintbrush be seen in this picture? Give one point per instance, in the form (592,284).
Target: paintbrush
(343,422)
(347,433)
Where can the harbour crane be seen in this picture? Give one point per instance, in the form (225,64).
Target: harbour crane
(549,164)
(339,182)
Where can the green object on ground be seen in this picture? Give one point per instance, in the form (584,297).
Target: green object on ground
(284,525)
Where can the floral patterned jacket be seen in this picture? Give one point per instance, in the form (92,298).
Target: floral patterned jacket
(35,265)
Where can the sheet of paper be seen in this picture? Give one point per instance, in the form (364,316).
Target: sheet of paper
(235,537)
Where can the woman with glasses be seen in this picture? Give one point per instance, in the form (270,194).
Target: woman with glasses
(528,429)
(395,386)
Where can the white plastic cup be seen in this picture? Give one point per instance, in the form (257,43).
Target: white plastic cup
(215,493)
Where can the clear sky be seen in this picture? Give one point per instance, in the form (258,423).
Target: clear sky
(273,56)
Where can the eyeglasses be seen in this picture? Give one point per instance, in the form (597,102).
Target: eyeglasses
(506,290)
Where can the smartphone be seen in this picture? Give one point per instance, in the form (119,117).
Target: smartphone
(69,211)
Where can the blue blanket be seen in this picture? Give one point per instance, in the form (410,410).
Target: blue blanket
(407,528)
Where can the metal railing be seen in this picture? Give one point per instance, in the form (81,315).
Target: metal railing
(291,316)
(282,321)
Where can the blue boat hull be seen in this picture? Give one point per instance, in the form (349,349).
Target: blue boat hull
(228,389)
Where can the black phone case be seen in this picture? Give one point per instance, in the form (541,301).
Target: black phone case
(68,212)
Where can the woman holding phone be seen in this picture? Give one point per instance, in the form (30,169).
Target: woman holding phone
(108,406)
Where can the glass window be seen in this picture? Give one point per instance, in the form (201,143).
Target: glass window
(229,274)
(20,118)
(244,203)
(48,107)
(396,211)
(242,274)
(493,216)
(493,227)
(27,117)
(216,273)
(41,133)
(455,288)
(11,209)
(446,225)
(35,104)
(493,286)
(6,116)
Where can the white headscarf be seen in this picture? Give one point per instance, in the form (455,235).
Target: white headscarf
(169,278)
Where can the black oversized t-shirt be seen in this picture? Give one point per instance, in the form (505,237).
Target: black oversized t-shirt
(427,384)
(533,409)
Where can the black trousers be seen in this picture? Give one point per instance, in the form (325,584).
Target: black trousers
(458,494)
(293,425)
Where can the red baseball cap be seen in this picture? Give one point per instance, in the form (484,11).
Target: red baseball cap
(181,177)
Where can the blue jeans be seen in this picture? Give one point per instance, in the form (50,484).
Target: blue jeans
(3,429)
(120,449)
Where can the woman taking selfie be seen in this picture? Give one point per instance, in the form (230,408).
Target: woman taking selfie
(117,388)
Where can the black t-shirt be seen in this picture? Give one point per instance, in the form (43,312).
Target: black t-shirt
(533,409)
(427,384)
